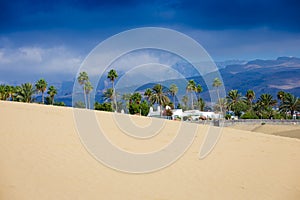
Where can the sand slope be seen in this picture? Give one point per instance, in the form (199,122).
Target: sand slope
(41,157)
(292,131)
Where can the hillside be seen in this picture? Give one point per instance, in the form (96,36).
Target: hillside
(262,76)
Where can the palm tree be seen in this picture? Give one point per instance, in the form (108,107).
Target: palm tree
(281,95)
(173,91)
(233,97)
(198,90)
(159,96)
(291,103)
(16,91)
(25,93)
(250,96)
(147,93)
(265,103)
(52,92)
(201,104)
(112,76)
(126,98)
(235,102)
(266,100)
(108,95)
(41,86)
(191,87)
(88,88)
(185,100)
(82,79)
(221,105)
(3,92)
(217,83)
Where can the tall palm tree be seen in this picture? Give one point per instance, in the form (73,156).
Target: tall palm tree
(147,93)
(221,105)
(198,90)
(201,104)
(185,100)
(250,96)
(112,76)
(52,92)
(126,98)
(82,79)
(88,88)
(191,87)
(26,92)
(173,91)
(217,83)
(41,86)
(159,96)
(291,103)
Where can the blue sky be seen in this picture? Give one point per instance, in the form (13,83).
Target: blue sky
(51,38)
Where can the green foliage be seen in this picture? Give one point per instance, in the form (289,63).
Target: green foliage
(51,92)
(59,104)
(144,106)
(236,103)
(138,107)
(249,115)
(103,106)
(159,96)
(25,93)
(290,103)
(227,116)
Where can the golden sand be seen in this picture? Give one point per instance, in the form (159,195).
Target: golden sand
(42,157)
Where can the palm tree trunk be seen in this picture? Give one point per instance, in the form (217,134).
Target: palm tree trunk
(89,101)
(43,97)
(84,94)
(174,101)
(114,96)
(192,105)
(221,109)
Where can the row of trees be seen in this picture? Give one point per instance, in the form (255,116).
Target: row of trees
(264,107)
(138,103)
(26,91)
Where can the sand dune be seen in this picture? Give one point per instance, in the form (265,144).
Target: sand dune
(42,157)
(292,131)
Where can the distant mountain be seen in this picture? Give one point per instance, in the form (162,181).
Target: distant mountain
(262,76)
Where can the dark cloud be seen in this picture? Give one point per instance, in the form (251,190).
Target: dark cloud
(92,14)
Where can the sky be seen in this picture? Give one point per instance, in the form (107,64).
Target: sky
(51,38)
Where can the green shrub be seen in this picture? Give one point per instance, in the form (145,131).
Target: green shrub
(249,115)
(59,104)
(227,116)
(103,106)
